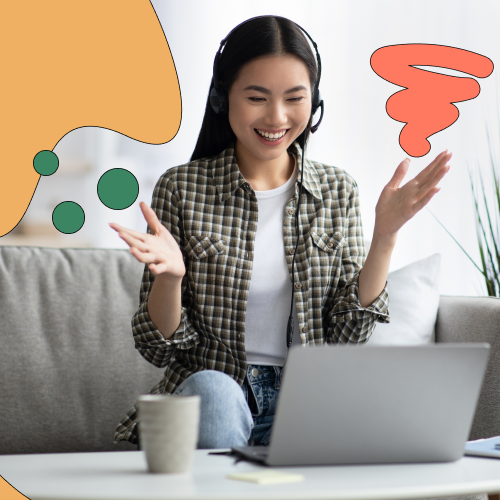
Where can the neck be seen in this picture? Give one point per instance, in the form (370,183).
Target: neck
(264,175)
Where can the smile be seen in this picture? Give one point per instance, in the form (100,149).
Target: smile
(271,137)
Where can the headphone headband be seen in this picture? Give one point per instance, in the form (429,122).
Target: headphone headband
(218,97)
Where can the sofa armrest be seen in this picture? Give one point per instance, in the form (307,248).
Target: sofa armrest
(476,319)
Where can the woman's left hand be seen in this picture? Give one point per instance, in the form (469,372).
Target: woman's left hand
(396,205)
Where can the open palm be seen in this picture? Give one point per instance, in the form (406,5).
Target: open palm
(397,205)
(159,249)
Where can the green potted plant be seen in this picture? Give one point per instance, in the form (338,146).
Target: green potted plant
(487,218)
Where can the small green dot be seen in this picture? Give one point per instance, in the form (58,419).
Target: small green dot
(117,188)
(68,217)
(46,162)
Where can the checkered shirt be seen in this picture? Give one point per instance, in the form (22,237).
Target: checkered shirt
(212,212)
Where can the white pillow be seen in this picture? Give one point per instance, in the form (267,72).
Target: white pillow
(413,305)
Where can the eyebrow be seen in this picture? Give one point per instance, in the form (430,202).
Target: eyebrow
(267,91)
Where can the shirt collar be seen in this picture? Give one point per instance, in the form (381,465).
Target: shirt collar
(228,177)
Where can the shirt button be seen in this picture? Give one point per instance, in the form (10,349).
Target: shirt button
(255,372)
(304,330)
(291,211)
(298,285)
(330,245)
(247,185)
(291,251)
(199,249)
(240,336)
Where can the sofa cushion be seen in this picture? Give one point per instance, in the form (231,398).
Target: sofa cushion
(68,364)
(476,319)
(414,303)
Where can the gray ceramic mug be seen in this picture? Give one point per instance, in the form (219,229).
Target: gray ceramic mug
(168,428)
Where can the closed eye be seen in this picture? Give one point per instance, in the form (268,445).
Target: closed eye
(259,99)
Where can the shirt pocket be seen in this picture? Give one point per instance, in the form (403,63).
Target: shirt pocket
(199,247)
(326,263)
(206,262)
(327,243)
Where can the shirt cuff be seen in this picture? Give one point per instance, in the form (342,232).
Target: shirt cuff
(146,335)
(348,307)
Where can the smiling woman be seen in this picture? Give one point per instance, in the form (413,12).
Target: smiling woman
(266,118)
(224,231)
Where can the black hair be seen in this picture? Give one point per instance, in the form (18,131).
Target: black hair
(260,37)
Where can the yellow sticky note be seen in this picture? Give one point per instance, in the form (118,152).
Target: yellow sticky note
(266,477)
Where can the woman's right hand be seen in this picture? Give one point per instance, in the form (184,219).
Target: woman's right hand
(159,249)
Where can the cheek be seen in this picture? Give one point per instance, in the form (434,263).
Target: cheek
(304,115)
(238,116)
(242,119)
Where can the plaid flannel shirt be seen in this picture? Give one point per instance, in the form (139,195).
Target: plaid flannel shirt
(212,212)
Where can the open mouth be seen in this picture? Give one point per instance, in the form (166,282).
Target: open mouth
(272,137)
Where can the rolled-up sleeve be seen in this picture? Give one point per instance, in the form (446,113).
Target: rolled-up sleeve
(349,321)
(148,339)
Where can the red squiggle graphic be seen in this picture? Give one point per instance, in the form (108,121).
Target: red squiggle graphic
(426,104)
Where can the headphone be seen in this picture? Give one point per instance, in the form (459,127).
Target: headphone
(218,96)
(219,103)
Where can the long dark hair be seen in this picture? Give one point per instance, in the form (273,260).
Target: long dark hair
(263,36)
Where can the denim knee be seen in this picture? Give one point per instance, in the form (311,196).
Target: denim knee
(225,418)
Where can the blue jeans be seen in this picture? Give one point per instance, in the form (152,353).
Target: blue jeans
(231,415)
(261,392)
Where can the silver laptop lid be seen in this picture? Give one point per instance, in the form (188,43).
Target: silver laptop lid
(349,404)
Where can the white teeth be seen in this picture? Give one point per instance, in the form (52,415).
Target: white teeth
(271,137)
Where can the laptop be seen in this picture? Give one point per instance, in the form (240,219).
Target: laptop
(362,404)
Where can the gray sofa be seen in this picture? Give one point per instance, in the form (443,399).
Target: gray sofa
(69,370)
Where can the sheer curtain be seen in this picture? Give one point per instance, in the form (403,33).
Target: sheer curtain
(356,133)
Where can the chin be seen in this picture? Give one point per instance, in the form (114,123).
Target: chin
(271,155)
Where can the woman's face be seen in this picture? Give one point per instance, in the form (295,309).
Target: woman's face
(271,94)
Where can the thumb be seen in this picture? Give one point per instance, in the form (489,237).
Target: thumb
(400,173)
(151,218)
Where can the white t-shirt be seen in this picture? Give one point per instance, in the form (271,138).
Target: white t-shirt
(270,294)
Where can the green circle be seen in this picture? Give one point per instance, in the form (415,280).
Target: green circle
(68,217)
(117,188)
(46,162)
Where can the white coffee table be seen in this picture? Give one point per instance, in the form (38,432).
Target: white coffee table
(124,476)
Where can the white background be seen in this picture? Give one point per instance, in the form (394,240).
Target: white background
(356,133)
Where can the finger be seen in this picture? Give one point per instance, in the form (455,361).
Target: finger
(421,175)
(118,228)
(133,242)
(440,159)
(400,173)
(144,257)
(157,268)
(425,199)
(136,234)
(151,218)
(438,168)
(431,182)
(430,167)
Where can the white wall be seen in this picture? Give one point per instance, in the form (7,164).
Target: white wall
(356,133)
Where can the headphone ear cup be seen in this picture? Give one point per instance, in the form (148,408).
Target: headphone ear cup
(218,101)
(214,100)
(316,100)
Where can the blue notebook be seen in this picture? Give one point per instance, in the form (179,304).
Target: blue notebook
(484,447)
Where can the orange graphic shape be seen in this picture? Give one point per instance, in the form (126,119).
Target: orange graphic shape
(70,64)
(7,492)
(426,104)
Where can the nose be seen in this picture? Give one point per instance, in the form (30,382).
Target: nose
(276,115)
